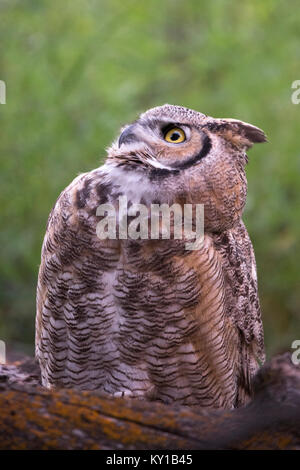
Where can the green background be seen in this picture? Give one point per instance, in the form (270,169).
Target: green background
(77,70)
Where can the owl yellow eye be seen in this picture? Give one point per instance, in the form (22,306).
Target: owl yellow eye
(175,135)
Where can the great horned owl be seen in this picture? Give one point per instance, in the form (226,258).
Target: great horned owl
(148,318)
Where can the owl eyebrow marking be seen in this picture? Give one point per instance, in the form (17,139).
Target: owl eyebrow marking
(162,125)
(170,125)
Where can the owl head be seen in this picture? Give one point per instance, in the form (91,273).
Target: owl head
(188,157)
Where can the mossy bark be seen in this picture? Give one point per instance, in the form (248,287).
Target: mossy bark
(34,418)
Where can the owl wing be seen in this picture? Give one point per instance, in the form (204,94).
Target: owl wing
(70,284)
(242,300)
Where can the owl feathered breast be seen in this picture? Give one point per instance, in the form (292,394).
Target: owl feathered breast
(148,318)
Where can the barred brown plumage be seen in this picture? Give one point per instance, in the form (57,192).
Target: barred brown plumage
(148,318)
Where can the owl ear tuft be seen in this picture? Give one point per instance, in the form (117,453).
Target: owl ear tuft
(240,133)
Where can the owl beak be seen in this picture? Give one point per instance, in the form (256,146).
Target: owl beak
(127,136)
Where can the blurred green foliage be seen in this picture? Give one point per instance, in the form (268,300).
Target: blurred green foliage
(77,70)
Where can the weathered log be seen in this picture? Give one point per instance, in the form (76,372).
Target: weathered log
(34,418)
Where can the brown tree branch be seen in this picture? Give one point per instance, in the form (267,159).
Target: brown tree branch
(34,418)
